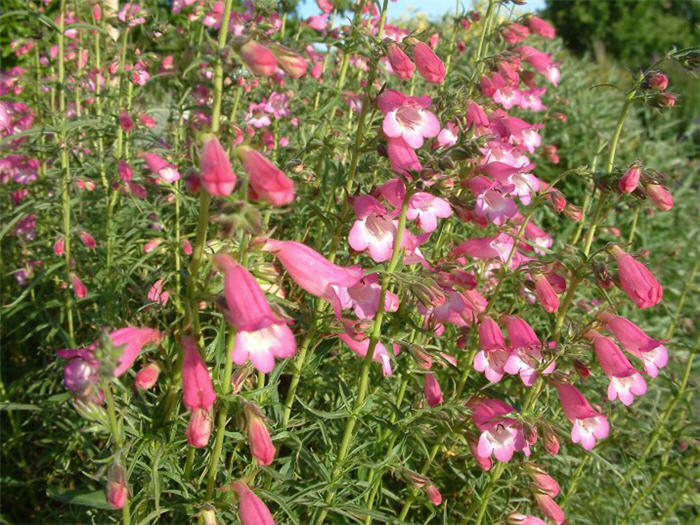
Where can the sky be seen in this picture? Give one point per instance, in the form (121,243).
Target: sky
(433,8)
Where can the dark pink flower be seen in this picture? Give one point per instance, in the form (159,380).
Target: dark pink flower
(428,64)
(261,446)
(636,280)
(251,510)
(588,425)
(400,62)
(259,59)
(541,27)
(433,393)
(267,181)
(407,117)
(198,390)
(630,180)
(216,174)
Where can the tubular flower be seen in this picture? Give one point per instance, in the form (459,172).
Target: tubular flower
(373,230)
(198,391)
(251,510)
(636,280)
(546,295)
(217,176)
(588,425)
(526,351)
(267,181)
(430,67)
(400,62)
(380,355)
(500,436)
(313,272)
(407,117)
(493,354)
(291,62)
(260,60)
(260,334)
(625,381)
(651,351)
(433,393)
(261,446)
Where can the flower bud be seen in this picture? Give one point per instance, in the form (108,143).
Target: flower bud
(238,378)
(147,376)
(550,440)
(428,64)
(124,170)
(433,494)
(656,80)
(664,99)
(423,359)
(530,433)
(117,490)
(207,516)
(261,446)
(573,212)
(630,180)
(546,295)
(291,62)
(199,428)
(543,482)
(433,393)
(79,288)
(660,196)
(557,199)
(217,177)
(251,509)
(400,62)
(58,246)
(87,240)
(260,60)
(581,369)
(550,508)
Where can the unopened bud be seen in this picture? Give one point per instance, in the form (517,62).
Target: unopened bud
(660,196)
(261,446)
(550,440)
(655,80)
(581,369)
(117,490)
(147,376)
(664,99)
(423,359)
(530,432)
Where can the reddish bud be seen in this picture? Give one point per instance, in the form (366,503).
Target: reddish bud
(433,494)
(117,490)
(400,62)
(550,440)
(261,446)
(630,180)
(660,196)
(581,369)
(433,393)
(217,177)
(260,60)
(664,100)
(251,509)
(428,64)
(656,80)
(147,376)
(199,428)
(291,62)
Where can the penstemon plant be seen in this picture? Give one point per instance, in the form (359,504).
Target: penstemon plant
(312,271)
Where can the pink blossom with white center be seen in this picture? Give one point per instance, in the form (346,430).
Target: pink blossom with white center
(380,354)
(364,297)
(374,229)
(166,172)
(448,135)
(508,96)
(496,247)
(277,104)
(493,354)
(542,62)
(411,249)
(588,425)
(459,309)
(407,117)
(526,352)
(500,436)
(541,240)
(426,209)
(531,99)
(522,133)
(490,201)
(132,14)
(257,116)
(625,381)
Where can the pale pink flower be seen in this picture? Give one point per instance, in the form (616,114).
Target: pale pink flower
(526,352)
(259,60)
(588,425)
(373,230)
(426,209)
(166,172)
(500,436)
(407,117)
(380,354)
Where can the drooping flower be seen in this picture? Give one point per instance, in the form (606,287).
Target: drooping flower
(156,164)
(251,510)
(364,297)
(633,339)
(493,353)
(261,446)
(400,62)
(526,352)
(588,425)
(373,230)
(541,27)
(290,61)
(625,381)
(407,117)
(312,271)
(545,293)
(430,67)
(500,436)
(267,181)
(260,334)
(133,339)
(217,176)
(426,209)
(636,280)
(260,60)
(550,508)
(433,392)
(660,196)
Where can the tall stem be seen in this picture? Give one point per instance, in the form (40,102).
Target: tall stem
(367,361)
(118,438)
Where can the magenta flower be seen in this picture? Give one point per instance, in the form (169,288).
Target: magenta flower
(251,510)
(541,27)
(651,351)
(216,174)
(588,425)
(261,446)
(426,209)
(260,60)
(133,339)
(198,390)
(492,356)
(380,355)
(166,172)
(522,519)
(261,335)
(406,117)
(550,508)
(267,181)
(79,289)
(526,352)
(433,392)
(313,272)
(400,62)
(373,230)
(500,436)
(625,381)
(198,429)
(636,280)
(401,156)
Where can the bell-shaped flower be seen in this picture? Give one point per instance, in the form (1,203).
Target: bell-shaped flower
(493,353)
(364,297)
(261,446)
(251,509)
(198,390)
(166,172)
(633,339)
(198,429)
(625,381)
(260,60)
(380,355)
(313,272)
(588,425)
(402,156)
(425,209)
(430,67)
(267,181)
(526,352)
(400,62)
(374,229)
(433,392)
(217,177)
(500,436)
(636,280)
(407,117)
(260,334)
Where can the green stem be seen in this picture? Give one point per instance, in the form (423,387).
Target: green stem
(681,300)
(222,413)
(296,375)
(633,228)
(117,436)
(367,361)
(496,473)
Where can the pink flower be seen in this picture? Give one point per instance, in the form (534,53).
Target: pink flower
(402,156)
(58,246)
(79,288)
(433,393)
(636,280)
(198,429)
(630,180)
(364,297)
(267,181)
(543,481)
(493,354)
(426,209)
(117,489)
(261,335)
(251,510)
(198,390)
(550,508)
(499,436)
(216,174)
(542,62)
(400,62)
(546,295)
(166,172)
(133,339)
(261,446)
(125,121)
(157,294)
(380,355)
(656,80)
(373,230)
(406,117)
(428,64)
(651,351)
(625,381)
(147,376)
(522,519)
(313,272)
(588,425)
(291,62)
(260,60)
(541,27)
(433,494)
(526,352)
(88,240)
(660,196)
